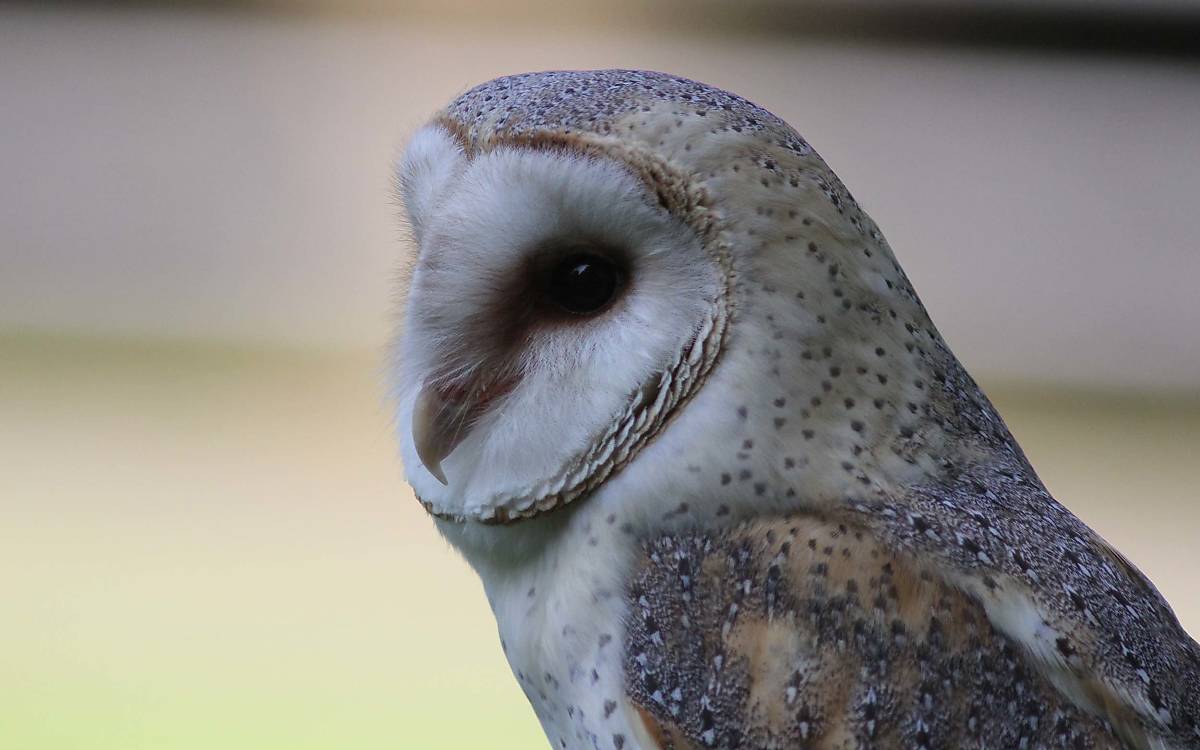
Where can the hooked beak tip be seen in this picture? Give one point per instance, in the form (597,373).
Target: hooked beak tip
(438,426)
(435,468)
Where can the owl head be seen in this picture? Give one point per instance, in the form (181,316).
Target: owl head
(597,249)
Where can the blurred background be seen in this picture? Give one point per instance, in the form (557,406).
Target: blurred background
(205,538)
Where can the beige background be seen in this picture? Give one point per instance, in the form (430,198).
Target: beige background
(205,539)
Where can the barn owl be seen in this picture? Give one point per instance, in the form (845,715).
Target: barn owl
(664,385)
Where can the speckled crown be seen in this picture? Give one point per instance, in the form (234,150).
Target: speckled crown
(593,101)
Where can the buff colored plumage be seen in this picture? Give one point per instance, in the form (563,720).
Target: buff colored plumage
(755,501)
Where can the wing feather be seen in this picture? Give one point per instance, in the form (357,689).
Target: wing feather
(801,632)
(1086,618)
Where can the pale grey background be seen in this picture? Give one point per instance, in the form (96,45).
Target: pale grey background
(223,175)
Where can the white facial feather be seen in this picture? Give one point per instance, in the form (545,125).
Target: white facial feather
(479,224)
(429,163)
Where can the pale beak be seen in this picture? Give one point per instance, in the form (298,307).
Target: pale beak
(438,426)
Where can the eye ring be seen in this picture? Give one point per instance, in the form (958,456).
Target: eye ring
(584,283)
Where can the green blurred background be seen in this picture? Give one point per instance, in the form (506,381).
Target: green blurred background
(205,538)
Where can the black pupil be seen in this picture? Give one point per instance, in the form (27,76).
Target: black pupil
(583,284)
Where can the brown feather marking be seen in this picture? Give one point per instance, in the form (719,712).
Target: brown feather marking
(654,735)
(804,633)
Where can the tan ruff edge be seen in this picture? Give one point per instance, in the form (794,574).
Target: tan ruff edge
(652,407)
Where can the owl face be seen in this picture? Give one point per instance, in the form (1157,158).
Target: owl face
(558,311)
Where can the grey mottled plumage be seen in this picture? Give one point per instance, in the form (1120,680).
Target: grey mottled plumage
(798,632)
(807,527)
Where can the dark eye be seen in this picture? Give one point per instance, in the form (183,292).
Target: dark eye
(583,283)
